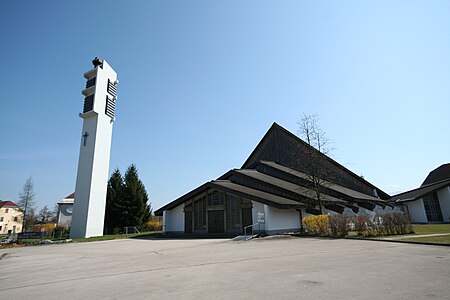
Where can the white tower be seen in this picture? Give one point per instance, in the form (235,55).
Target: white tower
(93,164)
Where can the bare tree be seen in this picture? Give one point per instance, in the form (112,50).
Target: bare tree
(26,202)
(45,215)
(315,164)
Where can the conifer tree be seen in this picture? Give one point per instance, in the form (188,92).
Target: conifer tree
(135,198)
(126,201)
(114,202)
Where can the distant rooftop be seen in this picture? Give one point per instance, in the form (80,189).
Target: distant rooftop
(68,199)
(7,204)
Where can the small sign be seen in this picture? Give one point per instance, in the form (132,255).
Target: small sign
(30,235)
(260,217)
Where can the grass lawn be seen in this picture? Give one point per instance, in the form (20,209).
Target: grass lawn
(92,239)
(431,228)
(105,237)
(421,229)
(444,239)
(114,236)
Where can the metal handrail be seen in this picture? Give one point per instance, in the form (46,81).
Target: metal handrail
(132,227)
(245,229)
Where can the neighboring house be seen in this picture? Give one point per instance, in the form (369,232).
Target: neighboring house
(11,217)
(271,189)
(65,208)
(430,203)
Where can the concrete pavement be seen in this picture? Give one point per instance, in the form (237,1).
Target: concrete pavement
(270,268)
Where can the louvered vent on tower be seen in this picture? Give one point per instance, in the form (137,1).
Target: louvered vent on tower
(112,88)
(90,82)
(88,103)
(110,108)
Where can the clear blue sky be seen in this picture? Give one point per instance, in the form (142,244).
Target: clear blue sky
(202,81)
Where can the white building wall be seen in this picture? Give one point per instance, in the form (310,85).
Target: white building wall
(444,202)
(64,217)
(173,220)
(281,220)
(417,211)
(258,207)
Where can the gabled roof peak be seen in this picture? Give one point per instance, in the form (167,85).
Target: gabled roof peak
(440,173)
(283,147)
(7,203)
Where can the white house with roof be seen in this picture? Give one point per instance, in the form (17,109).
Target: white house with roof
(430,203)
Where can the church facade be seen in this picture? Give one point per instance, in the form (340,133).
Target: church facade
(271,193)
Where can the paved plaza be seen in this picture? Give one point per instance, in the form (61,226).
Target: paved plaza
(269,268)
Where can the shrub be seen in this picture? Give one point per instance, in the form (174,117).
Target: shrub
(60,232)
(387,224)
(360,224)
(317,225)
(154,225)
(339,225)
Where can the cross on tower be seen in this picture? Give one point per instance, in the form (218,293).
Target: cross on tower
(85,135)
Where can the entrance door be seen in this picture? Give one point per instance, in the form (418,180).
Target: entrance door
(246,219)
(188,222)
(216,222)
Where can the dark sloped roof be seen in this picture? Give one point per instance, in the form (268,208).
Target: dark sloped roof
(240,190)
(286,185)
(341,189)
(256,195)
(281,146)
(438,174)
(420,192)
(302,194)
(7,203)
(183,198)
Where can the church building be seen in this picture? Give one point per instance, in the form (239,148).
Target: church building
(273,192)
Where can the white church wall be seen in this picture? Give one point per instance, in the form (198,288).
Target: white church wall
(417,211)
(282,220)
(444,202)
(256,208)
(173,220)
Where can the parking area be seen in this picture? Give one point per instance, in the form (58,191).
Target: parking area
(269,268)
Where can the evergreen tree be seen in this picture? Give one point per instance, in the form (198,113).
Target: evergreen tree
(114,202)
(126,201)
(135,198)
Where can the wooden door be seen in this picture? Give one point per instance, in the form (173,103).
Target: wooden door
(216,222)
(188,222)
(246,219)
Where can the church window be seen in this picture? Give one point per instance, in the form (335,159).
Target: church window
(432,207)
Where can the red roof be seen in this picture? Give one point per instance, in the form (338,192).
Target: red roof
(71,196)
(8,204)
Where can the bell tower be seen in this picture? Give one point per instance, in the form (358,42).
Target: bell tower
(93,163)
